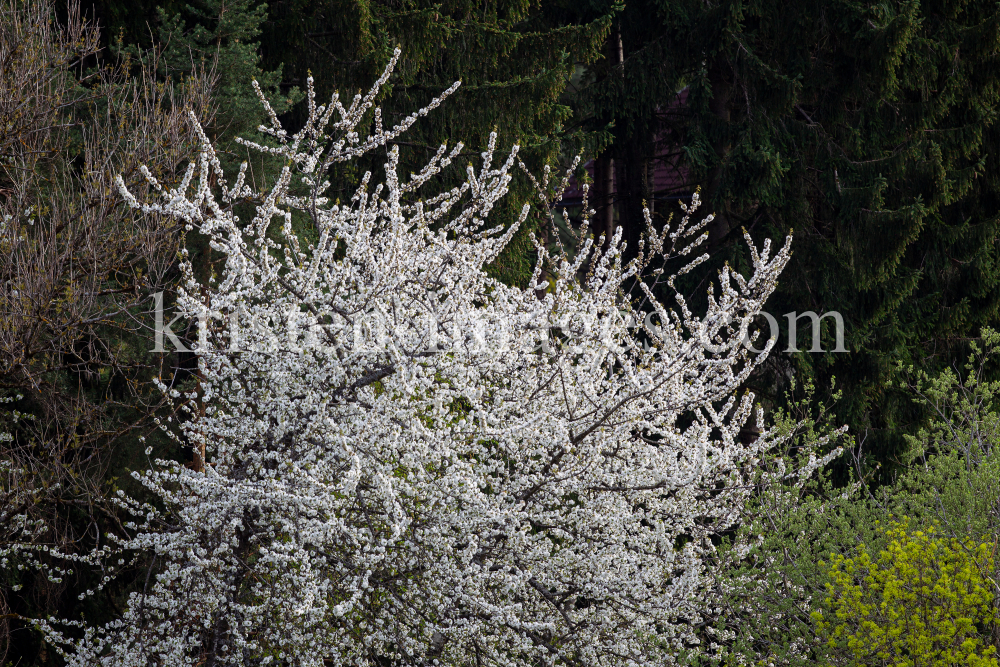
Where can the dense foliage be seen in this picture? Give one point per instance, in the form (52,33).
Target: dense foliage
(77,268)
(866,127)
(919,602)
(398,464)
(917,555)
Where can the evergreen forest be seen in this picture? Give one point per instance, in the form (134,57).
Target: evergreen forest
(828,497)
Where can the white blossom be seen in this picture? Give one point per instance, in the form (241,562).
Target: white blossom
(409,462)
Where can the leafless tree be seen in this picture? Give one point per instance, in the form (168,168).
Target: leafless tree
(77,267)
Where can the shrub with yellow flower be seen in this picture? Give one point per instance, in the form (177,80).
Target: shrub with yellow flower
(924,601)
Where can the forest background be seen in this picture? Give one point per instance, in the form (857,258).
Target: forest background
(868,129)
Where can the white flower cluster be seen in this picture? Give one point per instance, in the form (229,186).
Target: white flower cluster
(427,466)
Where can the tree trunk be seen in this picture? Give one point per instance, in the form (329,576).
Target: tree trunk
(632,192)
(631,177)
(722,88)
(606,195)
(603,198)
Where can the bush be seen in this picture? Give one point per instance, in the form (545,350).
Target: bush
(919,602)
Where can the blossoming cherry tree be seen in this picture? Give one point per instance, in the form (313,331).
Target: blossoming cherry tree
(408,462)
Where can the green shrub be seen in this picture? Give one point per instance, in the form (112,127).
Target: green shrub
(920,602)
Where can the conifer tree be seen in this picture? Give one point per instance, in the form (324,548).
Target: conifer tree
(514,59)
(220,35)
(866,128)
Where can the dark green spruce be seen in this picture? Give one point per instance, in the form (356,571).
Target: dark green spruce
(869,130)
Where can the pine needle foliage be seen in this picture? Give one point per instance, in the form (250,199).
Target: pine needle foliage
(868,128)
(515,60)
